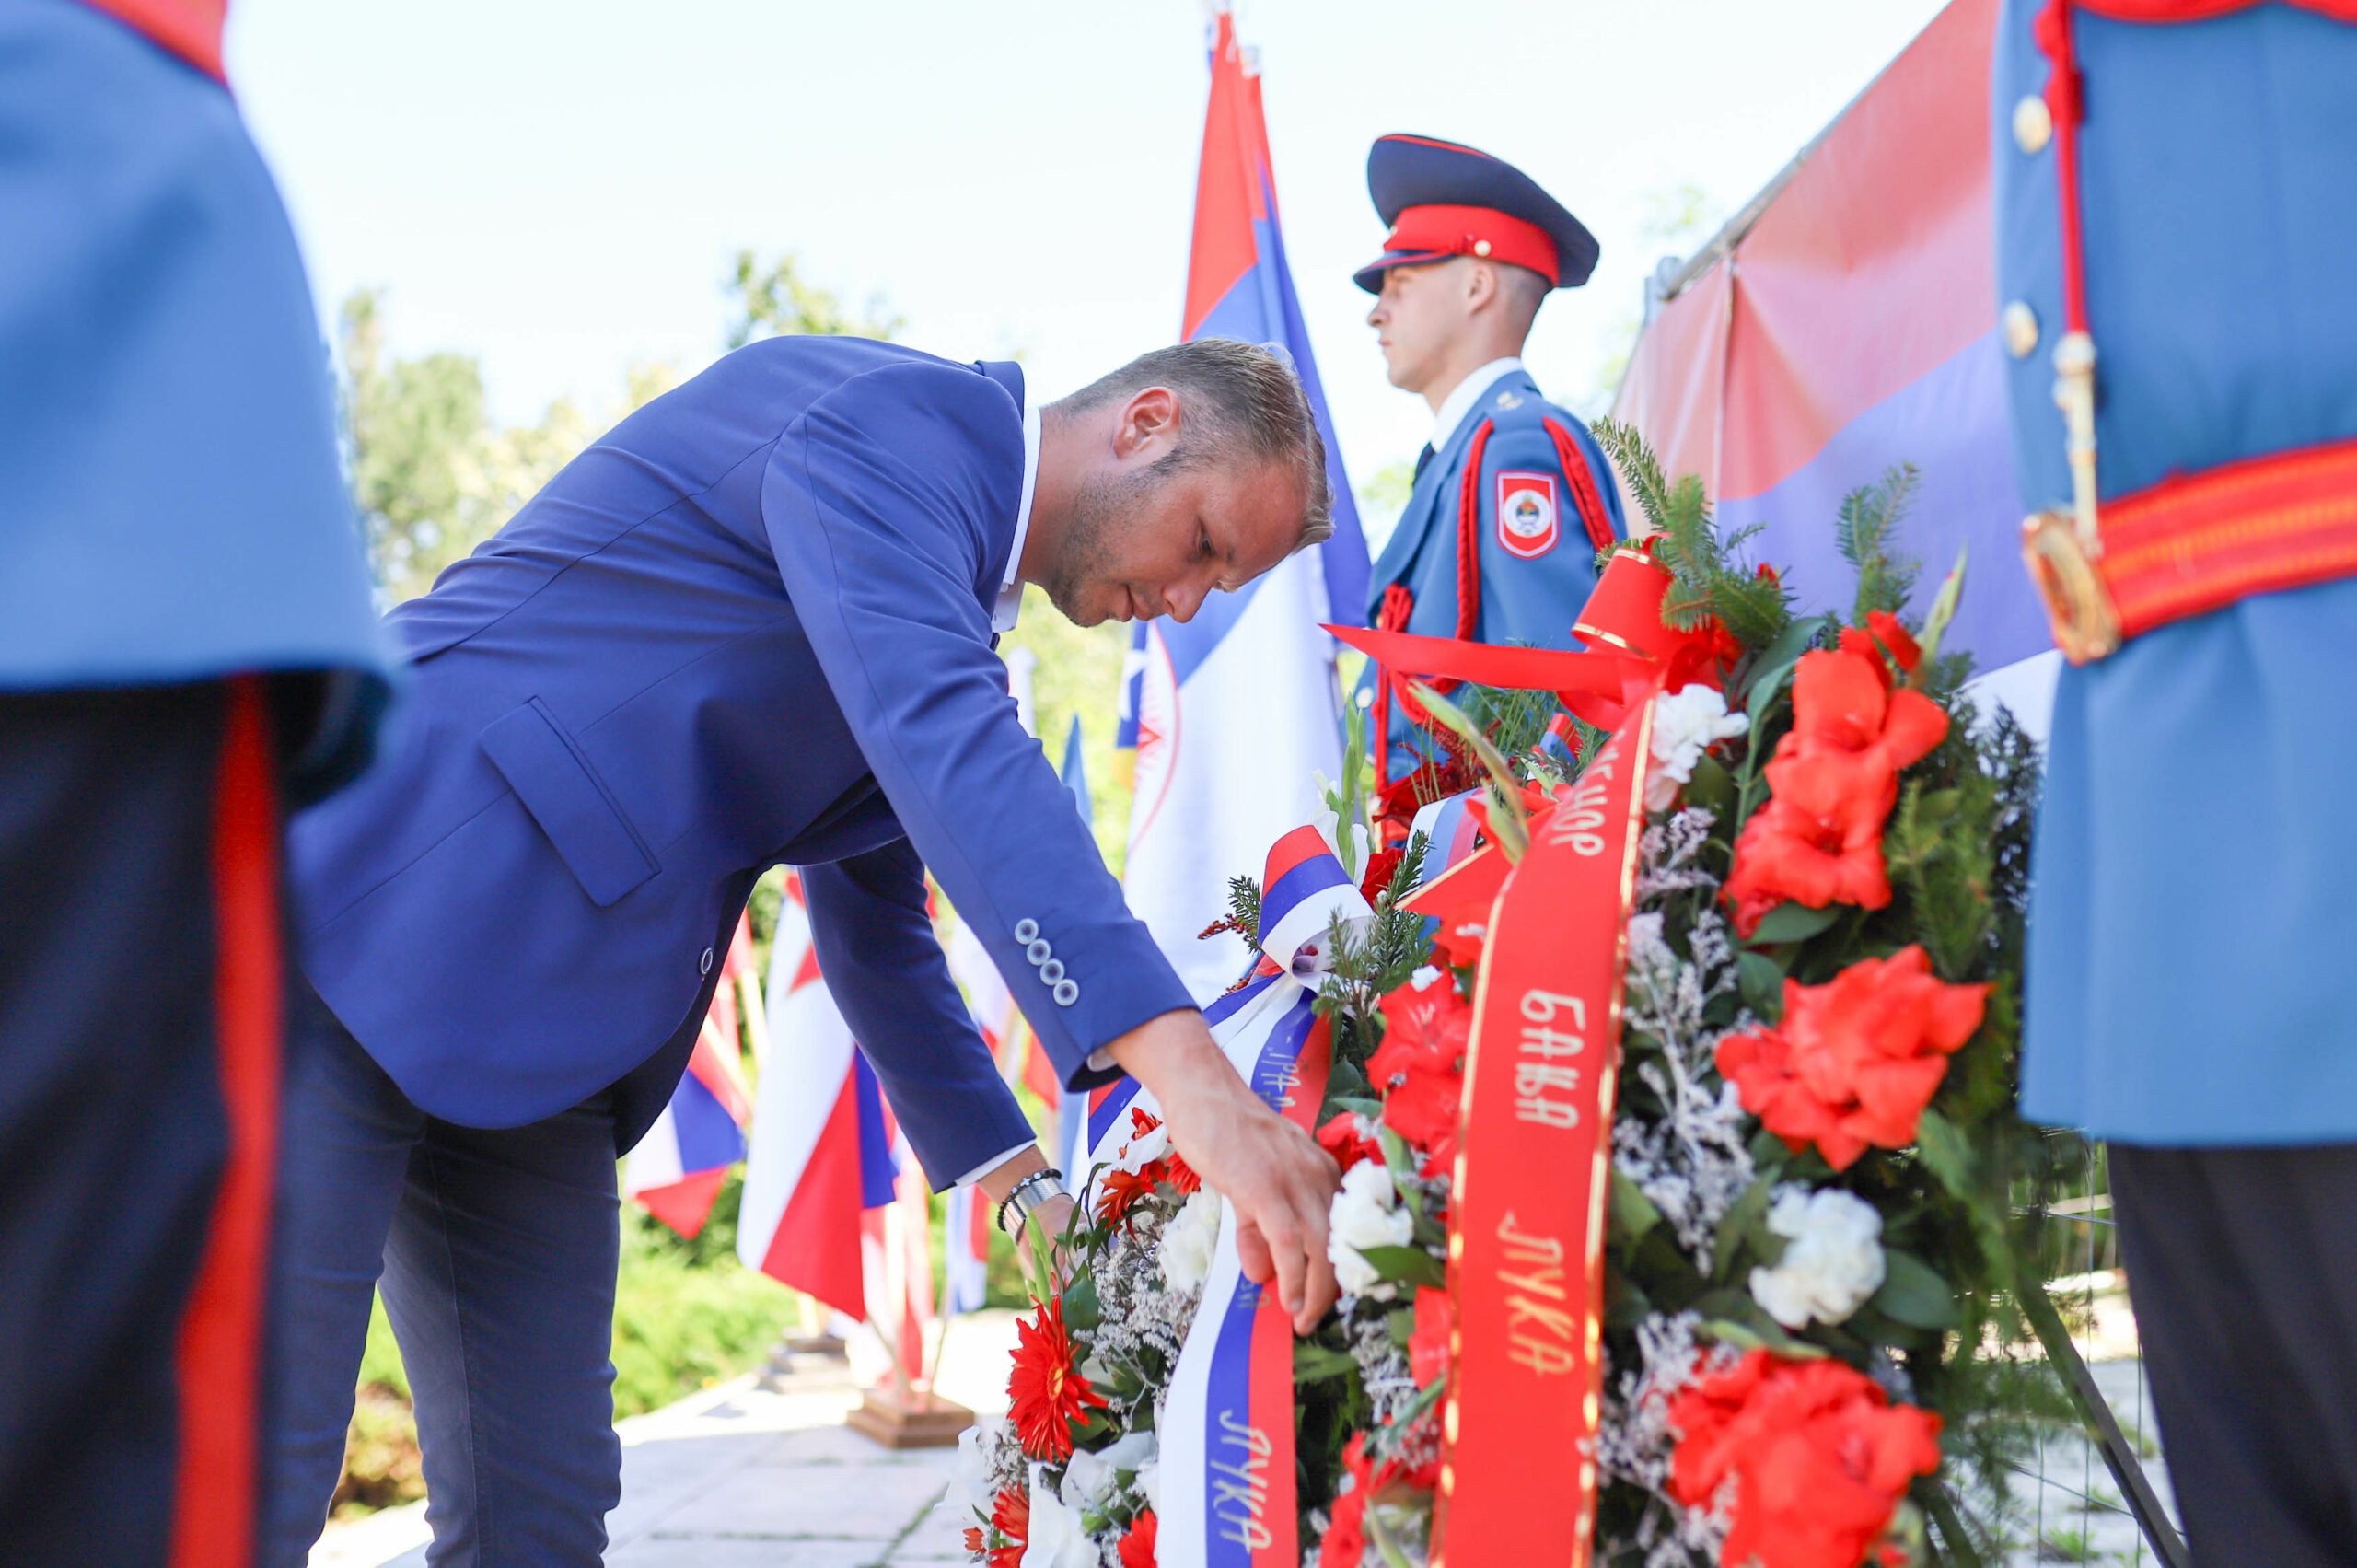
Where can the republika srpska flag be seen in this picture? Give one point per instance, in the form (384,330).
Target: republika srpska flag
(1231,712)
(824,1155)
(676,1170)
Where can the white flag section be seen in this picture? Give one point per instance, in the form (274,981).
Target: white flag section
(1231,723)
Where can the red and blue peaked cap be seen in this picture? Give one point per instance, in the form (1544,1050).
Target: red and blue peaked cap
(1444,200)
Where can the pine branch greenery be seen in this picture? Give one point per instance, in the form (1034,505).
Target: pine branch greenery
(1750,605)
(1863,531)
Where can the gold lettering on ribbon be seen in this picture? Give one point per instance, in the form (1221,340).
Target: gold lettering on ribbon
(1541,1328)
(1539,1037)
(1240,1484)
(1584,811)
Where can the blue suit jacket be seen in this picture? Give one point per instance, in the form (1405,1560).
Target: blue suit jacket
(751,625)
(174,510)
(1525,598)
(2192,916)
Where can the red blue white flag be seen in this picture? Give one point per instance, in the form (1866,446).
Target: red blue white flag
(1229,715)
(822,1143)
(678,1169)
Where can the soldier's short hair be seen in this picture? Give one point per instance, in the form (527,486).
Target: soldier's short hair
(1235,399)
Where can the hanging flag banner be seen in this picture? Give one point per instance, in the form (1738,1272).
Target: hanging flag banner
(1526,1273)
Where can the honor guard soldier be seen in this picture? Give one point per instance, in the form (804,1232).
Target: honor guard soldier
(2175,184)
(1511,498)
(187,650)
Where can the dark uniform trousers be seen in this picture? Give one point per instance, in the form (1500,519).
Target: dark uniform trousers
(139,997)
(2242,1264)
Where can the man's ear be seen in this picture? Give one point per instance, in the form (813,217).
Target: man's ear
(1148,424)
(1482,286)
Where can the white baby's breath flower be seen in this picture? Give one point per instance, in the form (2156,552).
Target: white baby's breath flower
(1832,1260)
(1366,1213)
(1184,1254)
(1685,724)
(1423,977)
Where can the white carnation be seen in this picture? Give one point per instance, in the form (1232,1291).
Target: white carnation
(1685,724)
(1184,1253)
(1366,1213)
(1832,1260)
(1058,1537)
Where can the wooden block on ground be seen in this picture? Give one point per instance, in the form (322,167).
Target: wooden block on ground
(898,1420)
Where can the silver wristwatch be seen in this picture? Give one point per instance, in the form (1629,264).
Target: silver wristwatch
(1028,1194)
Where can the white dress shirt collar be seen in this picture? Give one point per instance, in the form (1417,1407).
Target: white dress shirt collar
(1010,591)
(1469,391)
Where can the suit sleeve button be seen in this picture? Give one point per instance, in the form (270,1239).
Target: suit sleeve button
(1038,952)
(1067,992)
(703,965)
(1027,931)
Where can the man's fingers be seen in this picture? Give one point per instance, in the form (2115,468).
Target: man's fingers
(1283,1229)
(1252,1252)
(1320,1290)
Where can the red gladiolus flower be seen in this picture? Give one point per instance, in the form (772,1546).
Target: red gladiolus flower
(1832,782)
(1820,1455)
(1011,1523)
(1349,1138)
(1428,1346)
(1856,1060)
(1345,1542)
(1420,1066)
(1046,1393)
(1137,1544)
(1896,639)
(1380,865)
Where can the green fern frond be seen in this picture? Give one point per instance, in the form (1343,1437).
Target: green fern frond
(1865,531)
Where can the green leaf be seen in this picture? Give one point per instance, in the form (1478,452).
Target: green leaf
(1314,1362)
(1912,1293)
(1796,640)
(1761,978)
(1401,1323)
(1946,1153)
(1509,822)
(1406,1265)
(1791,922)
(1749,1209)
(1711,787)
(1759,1331)
(1936,624)
(1082,1309)
(1632,1213)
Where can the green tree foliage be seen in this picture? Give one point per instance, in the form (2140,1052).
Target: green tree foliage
(777,301)
(1863,531)
(1710,580)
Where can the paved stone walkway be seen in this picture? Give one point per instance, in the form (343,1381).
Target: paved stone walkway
(761,1471)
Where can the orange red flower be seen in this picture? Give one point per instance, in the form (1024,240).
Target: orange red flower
(1428,1345)
(1010,1526)
(1855,1060)
(1420,1067)
(1833,780)
(1119,1190)
(1349,1138)
(1137,1544)
(1046,1393)
(1820,1455)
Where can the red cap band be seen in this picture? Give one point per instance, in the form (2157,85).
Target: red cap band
(1474,231)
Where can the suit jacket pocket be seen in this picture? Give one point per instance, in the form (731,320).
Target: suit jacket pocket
(572,805)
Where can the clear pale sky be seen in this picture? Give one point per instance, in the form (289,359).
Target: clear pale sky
(557,188)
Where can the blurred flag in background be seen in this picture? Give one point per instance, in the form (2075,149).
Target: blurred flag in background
(1226,717)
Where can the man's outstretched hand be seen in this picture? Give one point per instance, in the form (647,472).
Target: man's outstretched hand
(1280,1180)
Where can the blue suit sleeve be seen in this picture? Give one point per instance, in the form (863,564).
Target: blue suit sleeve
(879,504)
(1531,593)
(887,972)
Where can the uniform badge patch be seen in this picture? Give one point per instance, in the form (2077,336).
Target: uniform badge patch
(1526,513)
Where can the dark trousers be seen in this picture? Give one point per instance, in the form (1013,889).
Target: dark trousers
(140,985)
(497,1252)
(2243,1267)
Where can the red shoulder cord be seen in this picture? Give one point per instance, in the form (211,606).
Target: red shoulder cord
(1582,479)
(1399,603)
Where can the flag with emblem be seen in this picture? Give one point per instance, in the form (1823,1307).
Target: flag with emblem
(1227,716)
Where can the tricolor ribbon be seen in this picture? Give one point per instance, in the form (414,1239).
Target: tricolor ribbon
(1228,1499)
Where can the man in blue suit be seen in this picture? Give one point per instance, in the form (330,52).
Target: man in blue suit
(2177,204)
(753,625)
(1512,499)
(186,646)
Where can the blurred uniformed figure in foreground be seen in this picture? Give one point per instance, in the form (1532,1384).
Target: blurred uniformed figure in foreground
(1512,499)
(2176,208)
(186,649)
